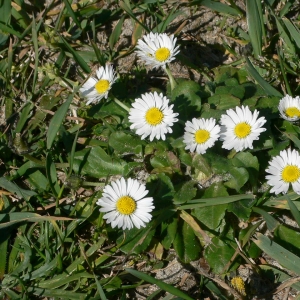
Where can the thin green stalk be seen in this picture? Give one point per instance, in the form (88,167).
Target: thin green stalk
(89,183)
(173,83)
(287,85)
(121,104)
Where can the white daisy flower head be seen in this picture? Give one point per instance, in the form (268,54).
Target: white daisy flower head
(200,134)
(157,49)
(289,108)
(97,88)
(240,127)
(284,170)
(151,116)
(125,205)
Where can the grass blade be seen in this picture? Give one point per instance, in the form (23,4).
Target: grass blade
(100,289)
(293,30)
(294,210)
(271,222)
(255,25)
(77,57)
(218,6)
(51,175)
(166,287)
(116,33)
(56,121)
(195,203)
(36,53)
(72,153)
(24,116)
(286,258)
(7,29)
(71,13)
(10,219)
(283,72)
(5,11)
(13,188)
(128,10)
(265,85)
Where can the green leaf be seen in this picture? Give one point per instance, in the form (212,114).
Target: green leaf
(211,216)
(166,287)
(239,176)
(97,163)
(250,163)
(166,162)
(168,232)
(185,193)
(57,120)
(186,244)
(238,91)
(241,208)
(125,143)
(284,257)
(224,101)
(218,254)
(186,97)
(202,167)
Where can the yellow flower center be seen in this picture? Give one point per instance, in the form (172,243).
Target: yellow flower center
(102,86)
(238,284)
(201,136)
(242,130)
(126,205)
(162,54)
(292,112)
(290,173)
(154,116)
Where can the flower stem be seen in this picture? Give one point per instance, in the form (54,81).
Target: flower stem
(173,83)
(121,104)
(88,183)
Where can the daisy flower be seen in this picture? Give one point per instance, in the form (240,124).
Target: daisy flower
(125,205)
(289,108)
(284,169)
(97,88)
(240,128)
(200,134)
(157,49)
(152,116)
